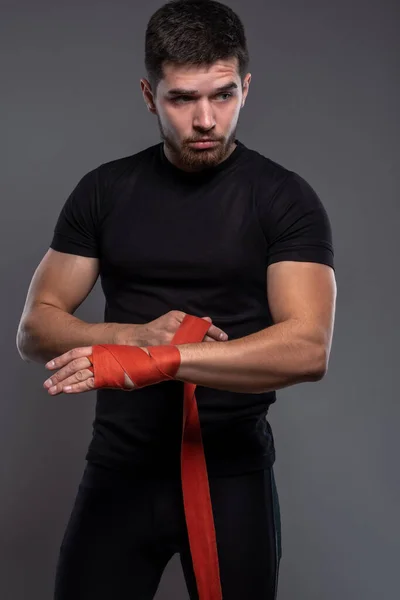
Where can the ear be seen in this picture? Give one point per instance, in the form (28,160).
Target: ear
(246,85)
(148,95)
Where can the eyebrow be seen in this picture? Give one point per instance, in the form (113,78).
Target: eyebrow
(181,92)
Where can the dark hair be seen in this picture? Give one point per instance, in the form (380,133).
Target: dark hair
(193,32)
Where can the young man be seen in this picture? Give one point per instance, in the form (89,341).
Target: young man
(196,225)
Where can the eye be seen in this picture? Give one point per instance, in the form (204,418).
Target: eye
(226,94)
(179,99)
(184,99)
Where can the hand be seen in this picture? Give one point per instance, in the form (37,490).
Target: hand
(161,331)
(73,376)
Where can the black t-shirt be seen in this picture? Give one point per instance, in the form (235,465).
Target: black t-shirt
(201,243)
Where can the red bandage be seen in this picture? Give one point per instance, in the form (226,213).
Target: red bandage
(110,363)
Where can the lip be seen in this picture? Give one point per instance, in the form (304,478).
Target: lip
(204,144)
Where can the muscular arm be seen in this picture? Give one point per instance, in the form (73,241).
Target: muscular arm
(295,349)
(302,298)
(47,327)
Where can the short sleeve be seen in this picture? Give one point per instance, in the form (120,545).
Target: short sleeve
(296,224)
(76,230)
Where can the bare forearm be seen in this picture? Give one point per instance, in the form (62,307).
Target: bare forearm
(274,358)
(50,331)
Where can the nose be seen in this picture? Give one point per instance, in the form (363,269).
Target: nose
(203,117)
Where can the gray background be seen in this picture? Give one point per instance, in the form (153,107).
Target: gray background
(322,102)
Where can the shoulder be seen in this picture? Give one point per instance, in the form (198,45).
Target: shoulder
(91,194)
(264,171)
(109,172)
(276,184)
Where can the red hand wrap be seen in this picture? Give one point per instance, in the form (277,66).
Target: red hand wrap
(109,364)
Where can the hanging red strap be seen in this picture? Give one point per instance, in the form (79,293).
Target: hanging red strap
(110,363)
(195,485)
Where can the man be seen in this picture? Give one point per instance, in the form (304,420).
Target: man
(196,225)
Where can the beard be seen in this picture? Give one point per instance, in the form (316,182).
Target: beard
(195,159)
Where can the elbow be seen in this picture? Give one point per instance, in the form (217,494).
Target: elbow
(318,374)
(20,346)
(22,342)
(317,364)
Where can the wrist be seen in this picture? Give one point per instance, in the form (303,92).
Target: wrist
(128,335)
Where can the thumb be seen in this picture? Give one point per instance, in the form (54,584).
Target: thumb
(209,319)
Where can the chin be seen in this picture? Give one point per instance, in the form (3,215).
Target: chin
(201,158)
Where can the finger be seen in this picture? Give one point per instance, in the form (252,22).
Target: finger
(80,377)
(83,386)
(67,371)
(217,333)
(63,359)
(209,339)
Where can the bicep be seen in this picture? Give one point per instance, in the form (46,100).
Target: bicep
(304,292)
(62,280)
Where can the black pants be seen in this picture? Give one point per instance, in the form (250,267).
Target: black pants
(124,530)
